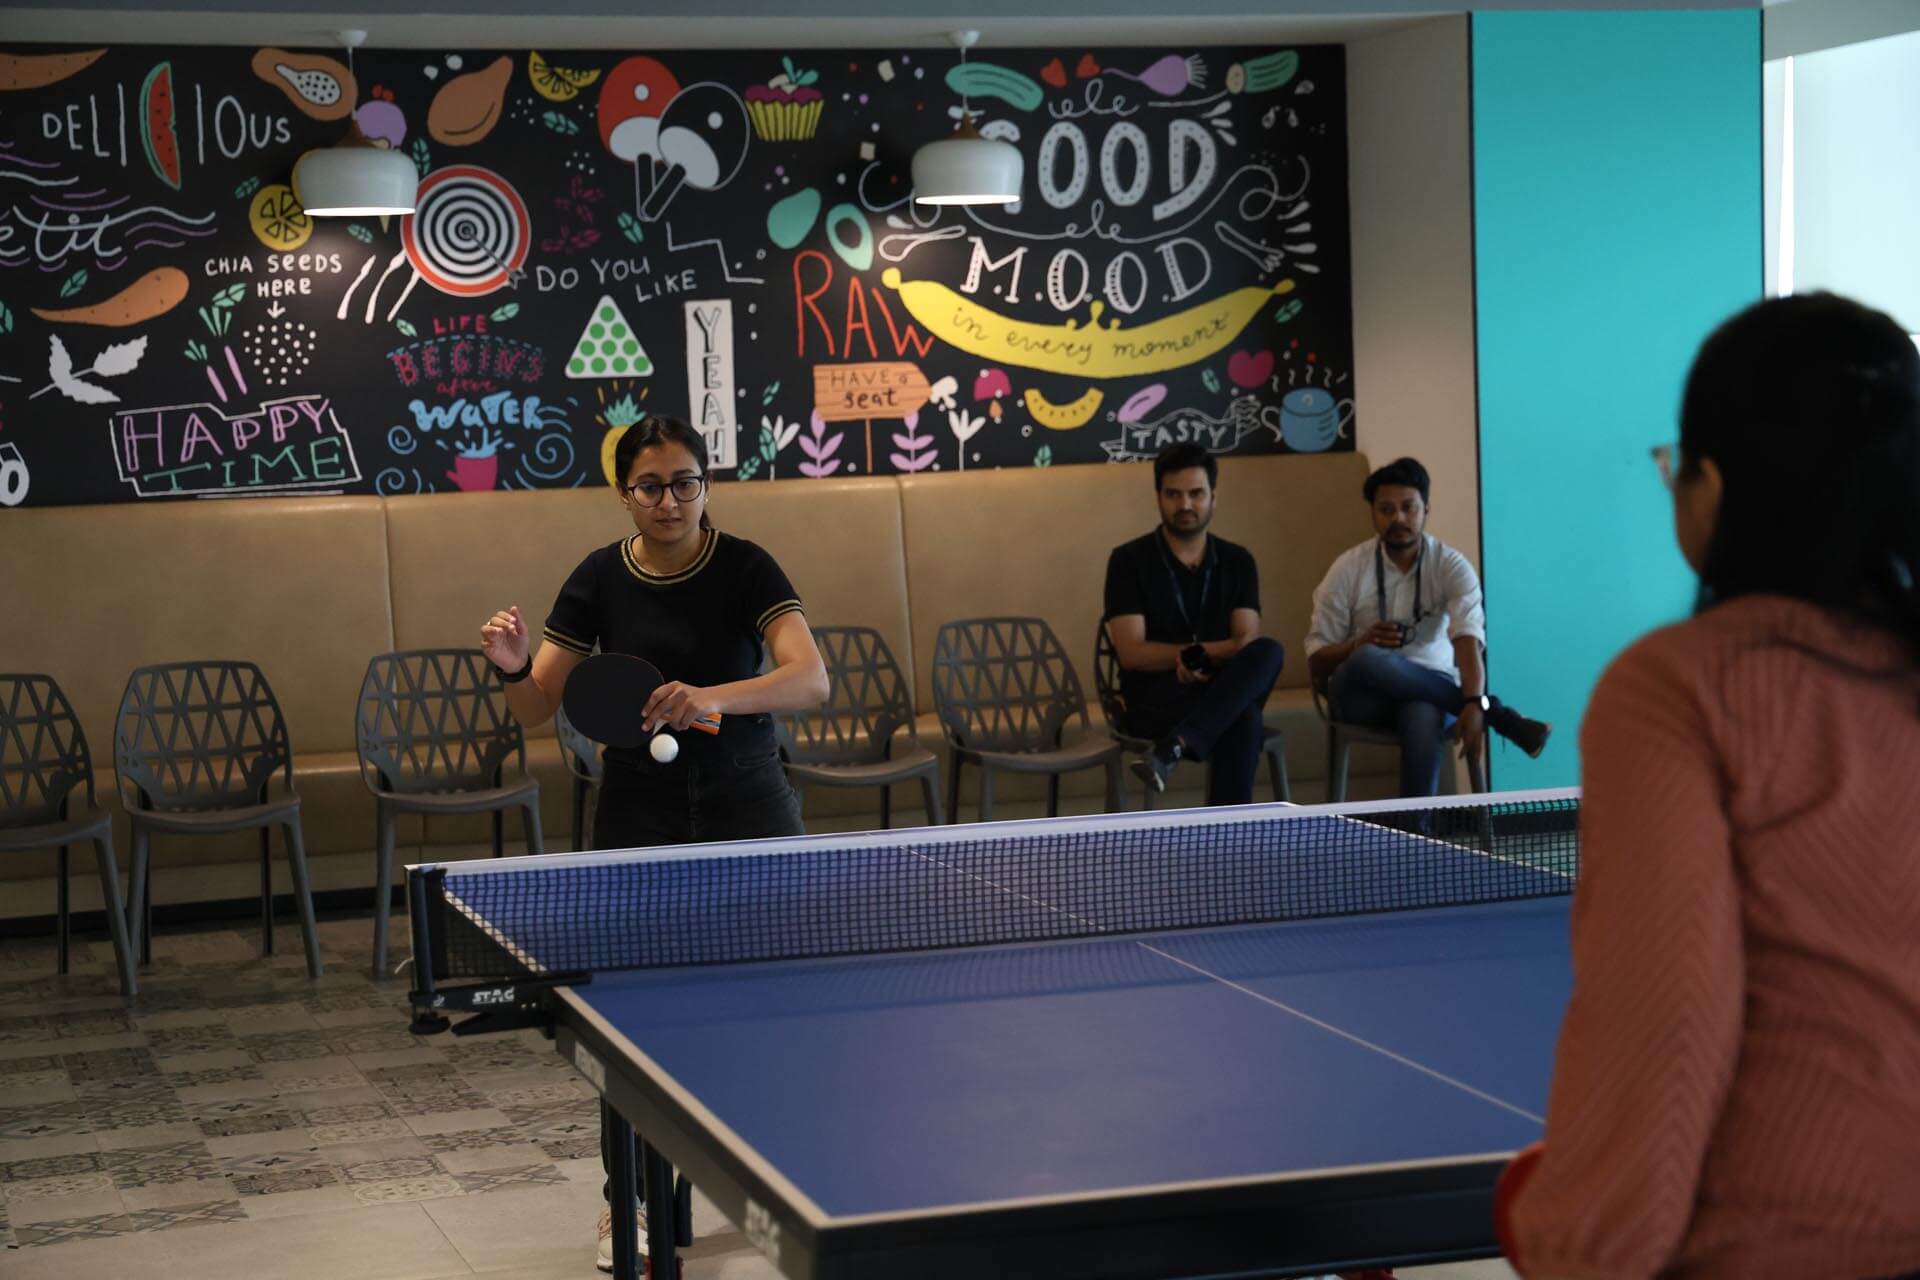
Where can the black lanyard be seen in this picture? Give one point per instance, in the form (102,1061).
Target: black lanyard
(1179,593)
(1380,580)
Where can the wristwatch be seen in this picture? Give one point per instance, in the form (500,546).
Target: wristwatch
(1485,703)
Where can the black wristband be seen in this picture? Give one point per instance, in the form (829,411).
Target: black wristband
(515,677)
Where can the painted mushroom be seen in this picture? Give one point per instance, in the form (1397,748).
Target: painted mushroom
(992,384)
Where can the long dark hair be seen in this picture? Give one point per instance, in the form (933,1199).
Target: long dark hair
(655,429)
(1810,407)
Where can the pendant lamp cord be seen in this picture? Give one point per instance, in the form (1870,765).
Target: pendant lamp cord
(966,107)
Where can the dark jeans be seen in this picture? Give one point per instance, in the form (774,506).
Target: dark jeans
(1380,689)
(1219,721)
(704,795)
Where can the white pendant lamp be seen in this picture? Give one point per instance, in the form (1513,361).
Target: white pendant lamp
(355,177)
(967,168)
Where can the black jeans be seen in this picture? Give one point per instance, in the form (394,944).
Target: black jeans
(1219,721)
(709,793)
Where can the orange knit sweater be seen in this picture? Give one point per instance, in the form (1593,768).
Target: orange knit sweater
(1737,1087)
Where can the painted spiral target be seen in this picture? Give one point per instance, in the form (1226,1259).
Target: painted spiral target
(469,231)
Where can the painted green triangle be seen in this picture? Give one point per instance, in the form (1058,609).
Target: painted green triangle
(608,347)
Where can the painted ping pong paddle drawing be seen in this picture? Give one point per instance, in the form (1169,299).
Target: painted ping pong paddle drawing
(703,139)
(606,695)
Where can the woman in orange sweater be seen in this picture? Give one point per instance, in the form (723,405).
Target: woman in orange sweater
(1737,1087)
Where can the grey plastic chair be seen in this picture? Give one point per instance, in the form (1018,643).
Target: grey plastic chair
(196,746)
(1341,735)
(849,742)
(1106,687)
(43,761)
(581,755)
(434,735)
(1004,691)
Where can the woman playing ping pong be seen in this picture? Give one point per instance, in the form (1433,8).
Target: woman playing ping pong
(705,608)
(1737,1086)
(702,606)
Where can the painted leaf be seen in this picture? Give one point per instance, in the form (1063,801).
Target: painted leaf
(406,328)
(59,363)
(74,283)
(561,123)
(630,227)
(749,467)
(231,296)
(246,188)
(6,319)
(766,396)
(422,157)
(87,393)
(195,351)
(1043,457)
(816,470)
(505,312)
(122,357)
(359,233)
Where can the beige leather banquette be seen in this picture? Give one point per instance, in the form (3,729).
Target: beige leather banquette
(309,588)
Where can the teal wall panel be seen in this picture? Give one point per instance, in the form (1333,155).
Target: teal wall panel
(1617,190)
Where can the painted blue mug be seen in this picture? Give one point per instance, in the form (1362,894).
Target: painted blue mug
(1312,419)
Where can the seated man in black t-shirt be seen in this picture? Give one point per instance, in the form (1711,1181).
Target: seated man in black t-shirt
(1183,611)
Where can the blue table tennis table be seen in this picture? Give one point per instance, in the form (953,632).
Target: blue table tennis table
(1268,1040)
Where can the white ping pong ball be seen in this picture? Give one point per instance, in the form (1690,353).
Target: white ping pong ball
(664,747)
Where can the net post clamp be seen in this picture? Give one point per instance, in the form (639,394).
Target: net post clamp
(495,1006)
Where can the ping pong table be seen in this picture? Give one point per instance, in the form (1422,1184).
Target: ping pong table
(1267,1040)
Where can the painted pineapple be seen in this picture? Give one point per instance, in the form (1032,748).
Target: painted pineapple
(617,416)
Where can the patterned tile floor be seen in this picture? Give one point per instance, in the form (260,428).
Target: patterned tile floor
(243,1120)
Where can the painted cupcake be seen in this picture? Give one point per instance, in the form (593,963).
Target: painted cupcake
(787,107)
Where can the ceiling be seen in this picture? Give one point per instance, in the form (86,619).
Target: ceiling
(748,23)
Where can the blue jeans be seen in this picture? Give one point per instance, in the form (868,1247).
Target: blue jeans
(1220,721)
(1380,689)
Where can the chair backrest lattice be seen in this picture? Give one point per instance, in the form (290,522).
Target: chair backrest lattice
(581,753)
(194,736)
(1004,684)
(867,702)
(1107,683)
(434,721)
(43,751)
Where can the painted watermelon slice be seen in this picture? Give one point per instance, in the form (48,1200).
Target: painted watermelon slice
(160,139)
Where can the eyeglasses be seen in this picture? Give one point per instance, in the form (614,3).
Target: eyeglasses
(1665,457)
(647,493)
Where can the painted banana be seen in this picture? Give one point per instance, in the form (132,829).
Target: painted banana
(1089,351)
(1064,417)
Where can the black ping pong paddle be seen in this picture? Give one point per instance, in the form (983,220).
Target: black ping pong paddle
(606,695)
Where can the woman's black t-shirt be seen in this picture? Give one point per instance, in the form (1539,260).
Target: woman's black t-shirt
(704,625)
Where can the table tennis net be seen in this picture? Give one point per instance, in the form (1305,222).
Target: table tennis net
(992,883)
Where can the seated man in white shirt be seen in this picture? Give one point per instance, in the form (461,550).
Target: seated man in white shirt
(1399,635)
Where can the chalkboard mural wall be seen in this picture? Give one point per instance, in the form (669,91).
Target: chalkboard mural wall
(723,236)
